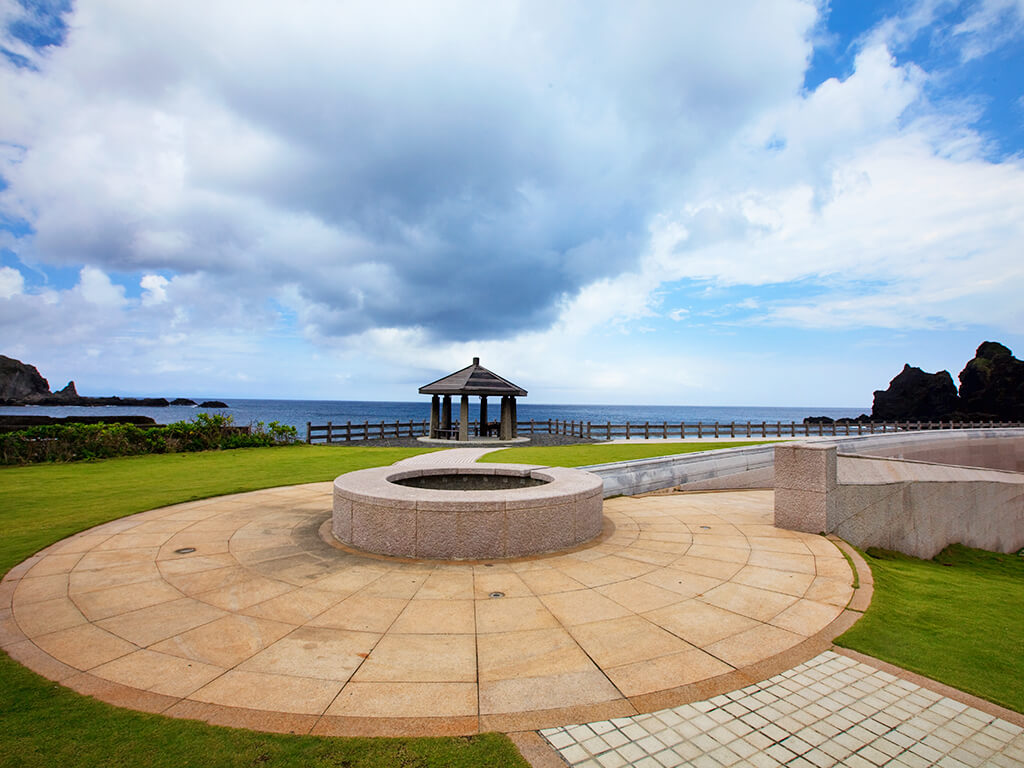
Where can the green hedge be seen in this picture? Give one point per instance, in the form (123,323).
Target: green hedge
(76,442)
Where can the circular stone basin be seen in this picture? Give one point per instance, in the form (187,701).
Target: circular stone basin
(476,512)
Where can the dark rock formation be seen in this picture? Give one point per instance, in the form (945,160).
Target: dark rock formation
(992,384)
(213,404)
(916,395)
(21,384)
(19,380)
(182,401)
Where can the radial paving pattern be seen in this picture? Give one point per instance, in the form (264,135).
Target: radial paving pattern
(266,625)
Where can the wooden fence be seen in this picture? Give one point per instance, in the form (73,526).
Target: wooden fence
(349,432)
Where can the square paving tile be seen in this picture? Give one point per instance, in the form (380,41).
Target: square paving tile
(158,672)
(753,645)
(277,693)
(436,617)
(533,653)
(572,608)
(158,622)
(700,623)
(420,659)
(512,614)
(629,639)
(84,646)
(322,652)
(225,642)
(103,603)
(362,613)
(382,699)
(568,689)
(295,607)
(759,604)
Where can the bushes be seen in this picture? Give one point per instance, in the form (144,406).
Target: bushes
(74,442)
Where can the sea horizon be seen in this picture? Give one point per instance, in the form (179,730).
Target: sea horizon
(297,413)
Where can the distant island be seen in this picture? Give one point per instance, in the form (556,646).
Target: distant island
(991,389)
(21,384)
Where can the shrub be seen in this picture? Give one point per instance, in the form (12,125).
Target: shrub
(76,442)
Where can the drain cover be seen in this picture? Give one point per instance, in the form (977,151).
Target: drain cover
(185,551)
(496,594)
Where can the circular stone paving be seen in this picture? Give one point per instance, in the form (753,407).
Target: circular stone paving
(235,610)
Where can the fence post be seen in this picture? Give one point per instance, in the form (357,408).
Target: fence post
(647,430)
(778,429)
(627,430)
(664,430)
(328,432)
(700,429)
(748,429)
(682,430)
(309,432)
(764,429)
(792,429)
(608,431)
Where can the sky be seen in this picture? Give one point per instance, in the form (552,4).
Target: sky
(746,202)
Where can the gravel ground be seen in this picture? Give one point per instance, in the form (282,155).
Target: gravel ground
(412,442)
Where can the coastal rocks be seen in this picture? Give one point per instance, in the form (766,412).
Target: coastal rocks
(19,380)
(992,384)
(914,394)
(21,384)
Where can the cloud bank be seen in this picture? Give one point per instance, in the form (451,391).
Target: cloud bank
(407,182)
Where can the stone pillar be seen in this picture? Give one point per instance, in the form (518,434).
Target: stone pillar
(505,432)
(483,415)
(435,415)
(805,487)
(446,414)
(464,418)
(515,417)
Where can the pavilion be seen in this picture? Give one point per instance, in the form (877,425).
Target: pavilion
(473,380)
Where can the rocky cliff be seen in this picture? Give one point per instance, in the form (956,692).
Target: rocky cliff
(21,384)
(914,394)
(992,384)
(991,388)
(19,381)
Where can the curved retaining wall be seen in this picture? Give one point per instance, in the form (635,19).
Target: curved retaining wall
(374,514)
(913,507)
(753,467)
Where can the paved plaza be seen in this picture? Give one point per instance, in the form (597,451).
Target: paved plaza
(240,611)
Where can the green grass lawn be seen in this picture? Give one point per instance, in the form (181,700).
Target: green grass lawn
(958,619)
(44,724)
(598,453)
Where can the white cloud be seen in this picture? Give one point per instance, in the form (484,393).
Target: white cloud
(154,289)
(11,282)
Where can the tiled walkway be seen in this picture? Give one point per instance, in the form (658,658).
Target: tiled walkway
(828,711)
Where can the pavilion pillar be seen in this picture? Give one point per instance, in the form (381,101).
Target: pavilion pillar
(515,417)
(483,415)
(446,414)
(506,420)
(435,415)
(464,418)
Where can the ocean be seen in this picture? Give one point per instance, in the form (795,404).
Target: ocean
(319,412)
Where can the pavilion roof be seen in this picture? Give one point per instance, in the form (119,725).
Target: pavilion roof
(473,380)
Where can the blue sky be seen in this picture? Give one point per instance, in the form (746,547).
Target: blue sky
(776,202)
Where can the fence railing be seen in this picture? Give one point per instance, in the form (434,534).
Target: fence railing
(349,432)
